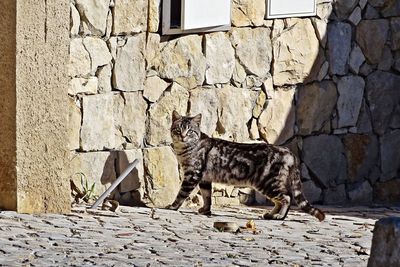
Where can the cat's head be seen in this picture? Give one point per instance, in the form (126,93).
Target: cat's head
(185,129)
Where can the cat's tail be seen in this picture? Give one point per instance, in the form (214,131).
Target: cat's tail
(300,199)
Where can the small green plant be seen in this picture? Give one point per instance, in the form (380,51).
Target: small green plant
(87,193)
(88,190)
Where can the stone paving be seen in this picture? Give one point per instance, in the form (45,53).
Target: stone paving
(146,237)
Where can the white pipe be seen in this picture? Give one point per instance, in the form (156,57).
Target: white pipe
(116,183)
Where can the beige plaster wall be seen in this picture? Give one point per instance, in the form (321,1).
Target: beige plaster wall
(35,47)
(42,50)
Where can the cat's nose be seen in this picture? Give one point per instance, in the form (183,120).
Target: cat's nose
(184,132)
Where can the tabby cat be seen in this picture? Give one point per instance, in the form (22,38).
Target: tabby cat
(272,170)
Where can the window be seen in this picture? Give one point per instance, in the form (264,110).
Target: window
(290,8)
(187,16)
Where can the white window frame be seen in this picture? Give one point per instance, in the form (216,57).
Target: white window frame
(166,21)
(272,14)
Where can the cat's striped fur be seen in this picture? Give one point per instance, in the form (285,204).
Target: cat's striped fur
(270,169)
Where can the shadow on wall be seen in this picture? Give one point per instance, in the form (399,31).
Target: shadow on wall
(346,114)
(129,192)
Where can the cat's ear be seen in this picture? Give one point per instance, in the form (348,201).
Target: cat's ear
(197,119)
(175,115)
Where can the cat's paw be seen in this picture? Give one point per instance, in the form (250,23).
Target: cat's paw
(171,207)
(204,211)
(276,216)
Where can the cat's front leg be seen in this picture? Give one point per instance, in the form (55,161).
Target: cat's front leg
(188,184)
(205,189)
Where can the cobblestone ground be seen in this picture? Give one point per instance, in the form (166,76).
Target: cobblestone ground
(142,237)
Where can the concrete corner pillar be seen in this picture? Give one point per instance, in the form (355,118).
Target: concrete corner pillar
(34,46)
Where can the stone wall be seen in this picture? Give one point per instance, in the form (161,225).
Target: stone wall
(328,87)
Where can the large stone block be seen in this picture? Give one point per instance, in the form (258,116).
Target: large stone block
(130,118)
(154,87)
(339,46)
(220,58)
(335,195)
(93,15)
(248,13)
(93,167)
(361,193)
(160,114)
(134,180)
(129,68)
(130,16)
(387,192)
(351,91)
(356,59)
(385,243)
(98,52)
(161,176)
(182,61)
(206,102)
(362,152)
(296,53)
(316,103)
(253,49)
(97,132)
(79,59)
(390,156)
(343,8)
(232,125)
(276,122)
(383,97)
(371,36)
(83,86)
(328,164)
